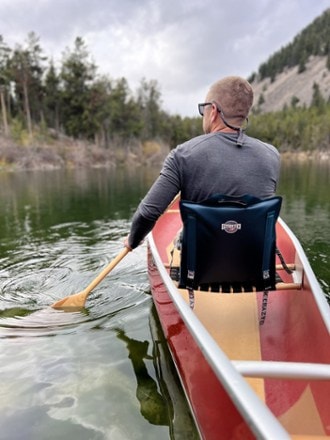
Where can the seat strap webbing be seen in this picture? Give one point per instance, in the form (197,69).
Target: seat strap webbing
(191,249)
(285,266)
(269,241)
(191,257)
(263,308)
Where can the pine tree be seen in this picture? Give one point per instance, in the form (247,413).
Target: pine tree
(27,69)
(52,98)
(77,74)
(4,83)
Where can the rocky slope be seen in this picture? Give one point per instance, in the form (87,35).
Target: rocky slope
(288,85)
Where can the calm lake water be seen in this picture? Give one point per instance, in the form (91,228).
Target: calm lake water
(105,372)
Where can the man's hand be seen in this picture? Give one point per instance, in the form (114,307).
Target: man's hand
(126,244)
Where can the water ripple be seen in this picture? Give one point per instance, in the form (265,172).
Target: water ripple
(35,277)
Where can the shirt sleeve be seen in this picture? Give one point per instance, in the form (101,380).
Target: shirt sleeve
(160,195)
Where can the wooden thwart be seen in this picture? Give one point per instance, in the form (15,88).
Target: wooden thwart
(288,266)
(288,286)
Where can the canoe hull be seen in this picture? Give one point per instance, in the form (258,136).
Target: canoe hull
(296,330)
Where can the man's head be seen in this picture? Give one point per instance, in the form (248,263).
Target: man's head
(234,97)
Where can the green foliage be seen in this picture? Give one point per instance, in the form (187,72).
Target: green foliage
(52,98)
(26,72)
(294,101)
(19,132)
(77,74)
(294,129)
(5,54)
(317,100)
(149,105)
(75,101)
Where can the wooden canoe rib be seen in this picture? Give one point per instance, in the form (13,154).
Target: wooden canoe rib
(243,380)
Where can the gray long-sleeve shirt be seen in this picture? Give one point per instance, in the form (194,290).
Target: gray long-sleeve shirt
(206,165)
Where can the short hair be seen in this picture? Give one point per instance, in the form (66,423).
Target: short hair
(234,95)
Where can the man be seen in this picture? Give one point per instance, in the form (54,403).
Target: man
(224,160)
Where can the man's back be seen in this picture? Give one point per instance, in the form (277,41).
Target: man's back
(214,163)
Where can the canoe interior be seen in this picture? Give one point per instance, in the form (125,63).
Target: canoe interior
(293,331)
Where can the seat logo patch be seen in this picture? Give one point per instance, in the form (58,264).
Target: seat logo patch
(231,226)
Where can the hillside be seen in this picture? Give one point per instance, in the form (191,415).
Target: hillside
(290,85)
(290,75)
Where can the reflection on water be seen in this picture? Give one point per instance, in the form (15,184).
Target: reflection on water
(161,399)
(306,209)
(65,374)
(152,405)
(103,372)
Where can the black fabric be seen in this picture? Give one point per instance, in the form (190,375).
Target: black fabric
(140,228)
(229,241)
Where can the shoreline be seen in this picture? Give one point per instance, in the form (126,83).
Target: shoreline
(301,156)
(75,154)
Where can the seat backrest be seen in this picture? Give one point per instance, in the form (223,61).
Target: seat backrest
(229,241)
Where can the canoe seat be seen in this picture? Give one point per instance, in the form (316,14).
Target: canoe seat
(229,244)
(229,241)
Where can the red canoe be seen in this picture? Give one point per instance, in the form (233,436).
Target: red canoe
(244,380)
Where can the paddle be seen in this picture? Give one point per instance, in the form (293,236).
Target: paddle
(78,300)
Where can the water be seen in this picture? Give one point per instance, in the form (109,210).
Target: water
(306,209)
(104,372)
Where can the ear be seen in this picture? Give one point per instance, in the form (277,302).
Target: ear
(214,113)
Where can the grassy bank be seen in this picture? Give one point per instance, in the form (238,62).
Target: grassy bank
(64,152)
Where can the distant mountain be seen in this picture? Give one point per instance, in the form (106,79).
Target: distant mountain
(291,76)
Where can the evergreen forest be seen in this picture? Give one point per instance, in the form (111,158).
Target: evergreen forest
(39,100)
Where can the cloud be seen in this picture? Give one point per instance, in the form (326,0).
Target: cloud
(184,44)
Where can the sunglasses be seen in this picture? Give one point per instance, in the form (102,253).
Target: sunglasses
(201,107)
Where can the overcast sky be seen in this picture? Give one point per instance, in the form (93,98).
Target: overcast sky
(183,44)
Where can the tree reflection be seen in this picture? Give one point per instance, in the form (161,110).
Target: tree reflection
(153,405)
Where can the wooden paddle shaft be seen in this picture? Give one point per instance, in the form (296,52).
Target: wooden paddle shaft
(106,270)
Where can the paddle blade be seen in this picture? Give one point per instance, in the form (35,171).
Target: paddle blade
(76,301)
